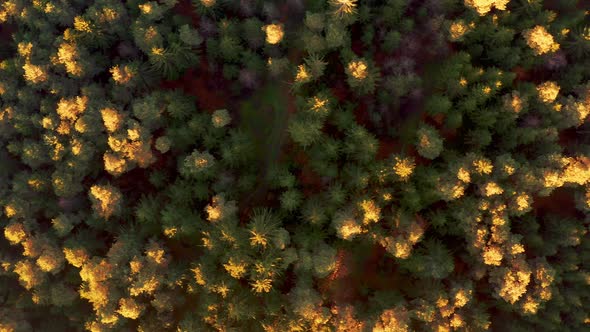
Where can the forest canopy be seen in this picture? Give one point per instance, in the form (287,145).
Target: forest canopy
(294,165)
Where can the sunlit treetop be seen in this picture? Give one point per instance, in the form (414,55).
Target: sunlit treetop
(8,9)
(491,189)
(68,55)
(514,284)
(346,226)
(14,232)
(463,175)
(540,40)
(548,91)
(319,104)
(458,29)
(208,3)
(343,7)
(106,200)
(82,24)
(122,74)
(302,75)
(274,33)
(236,267)
(577,170)
(70,109)
(262,285)
(514,102)
(76,256)
(146,8)
(492,255)
(483,166)
(112,119)
(115,164)
(403,167)
(29,274)
(220,209)
(34,74)
(371,212)
(129,308)
(483,7)
(358,69)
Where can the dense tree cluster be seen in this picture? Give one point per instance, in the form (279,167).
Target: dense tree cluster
(299,165)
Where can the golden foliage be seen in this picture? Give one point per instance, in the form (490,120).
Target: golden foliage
(358,69)
(96,293)
(10,211)
(343,7)
(395,319)
(371,212)
(462,297)
(302,74)
(574,170)
(70,109)
(540,40)
(258,239)
(493,256)
(523,202)
(457,321)
(146,8)
(129,308)
(145,286)
(82,24)
(345,320)
(483,7)
(235,268)
(491,189)
(402,249)
(530,306)
(106,200)
(274,33)
(9,8)
(122,74)
(346,226)
(457,30)
(112,119)
(548,91)
(156,254)
(96,270)
(208,3)
(463,175)
(577,170)
(76,256)
(134,134)
(483,166)
(34,74)
(15,232)
(29,275)
(198,274)
(51,260)
(68,55)
(6,114)
(514,285)
(108,15)
(32,246)
(403,167)
(262,285)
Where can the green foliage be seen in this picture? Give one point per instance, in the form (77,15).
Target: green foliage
(431,260)
(429,143)
(305,131)
(347,167)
